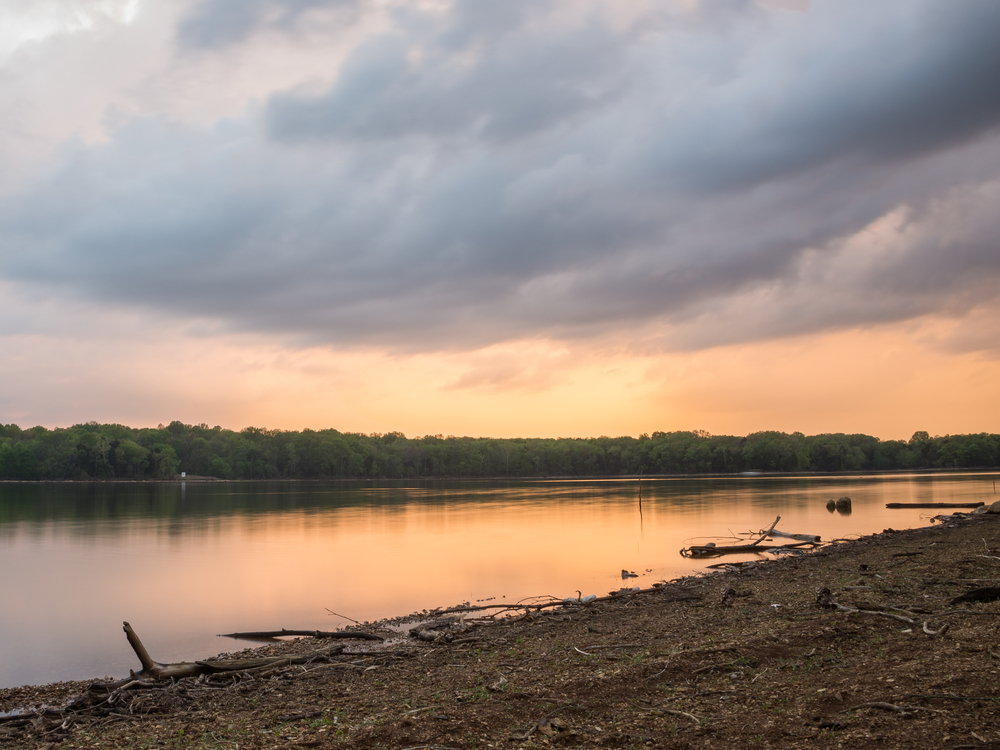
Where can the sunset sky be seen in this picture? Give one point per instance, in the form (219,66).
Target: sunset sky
(502,217)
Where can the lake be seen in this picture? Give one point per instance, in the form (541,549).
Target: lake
(183,562)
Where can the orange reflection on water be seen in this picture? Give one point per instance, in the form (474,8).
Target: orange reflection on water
(369,553)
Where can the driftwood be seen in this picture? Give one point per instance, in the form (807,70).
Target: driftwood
(811,538)
(825,598)
(712,550)
(270,634)
(698,551)
(159,671)
(934,505)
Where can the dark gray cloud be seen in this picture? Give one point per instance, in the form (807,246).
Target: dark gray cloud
(500,171)
(509,88)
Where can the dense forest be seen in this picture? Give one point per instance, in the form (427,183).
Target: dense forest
(112,451)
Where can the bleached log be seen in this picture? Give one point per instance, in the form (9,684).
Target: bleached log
(811,538)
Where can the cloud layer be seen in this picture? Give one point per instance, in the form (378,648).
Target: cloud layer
(454,175)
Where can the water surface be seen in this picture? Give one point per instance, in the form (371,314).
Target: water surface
(182,563)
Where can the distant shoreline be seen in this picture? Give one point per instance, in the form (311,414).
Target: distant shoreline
(973,471)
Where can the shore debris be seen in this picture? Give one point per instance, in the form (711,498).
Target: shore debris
(713,550)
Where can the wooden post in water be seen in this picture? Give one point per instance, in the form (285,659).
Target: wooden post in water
(640,496)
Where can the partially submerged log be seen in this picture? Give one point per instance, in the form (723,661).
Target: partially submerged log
(270,634)
(934,505)
(710,550)
(811,538)
(713,550)
(159,671)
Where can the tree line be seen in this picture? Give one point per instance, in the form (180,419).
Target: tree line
(111,451)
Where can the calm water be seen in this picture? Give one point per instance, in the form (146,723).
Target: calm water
(183,563)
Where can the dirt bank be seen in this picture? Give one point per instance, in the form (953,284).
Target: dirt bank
(742,658)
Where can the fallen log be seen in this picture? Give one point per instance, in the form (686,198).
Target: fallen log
(159,671)
(261,634)
(710,550)
(812,538)
(934,505)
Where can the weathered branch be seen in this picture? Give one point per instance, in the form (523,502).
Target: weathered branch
(767,533)
(260,634)
(824,597)
(812,538)
(159,671)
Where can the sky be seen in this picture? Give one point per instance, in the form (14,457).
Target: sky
(470,217)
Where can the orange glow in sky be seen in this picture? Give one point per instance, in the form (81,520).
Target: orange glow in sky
(888,382)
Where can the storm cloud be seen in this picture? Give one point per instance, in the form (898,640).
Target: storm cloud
(479,172)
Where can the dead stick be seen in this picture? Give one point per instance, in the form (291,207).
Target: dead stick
(144,658)
(307,633)
(765,535)
(340,615)
(674,712)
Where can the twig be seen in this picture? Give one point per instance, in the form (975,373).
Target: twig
(342,616)
(674,712)
(257,634)
(765,534)
(941,631)
(824,597)
(418,710)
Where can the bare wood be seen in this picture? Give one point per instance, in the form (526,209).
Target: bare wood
(940,631)
(700,550)
(442,622)
(307,633)
(674,712)
(934,505)
(812,538)
(768,532)
(825,599)
(711,550)
(144,658)
(159,671)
